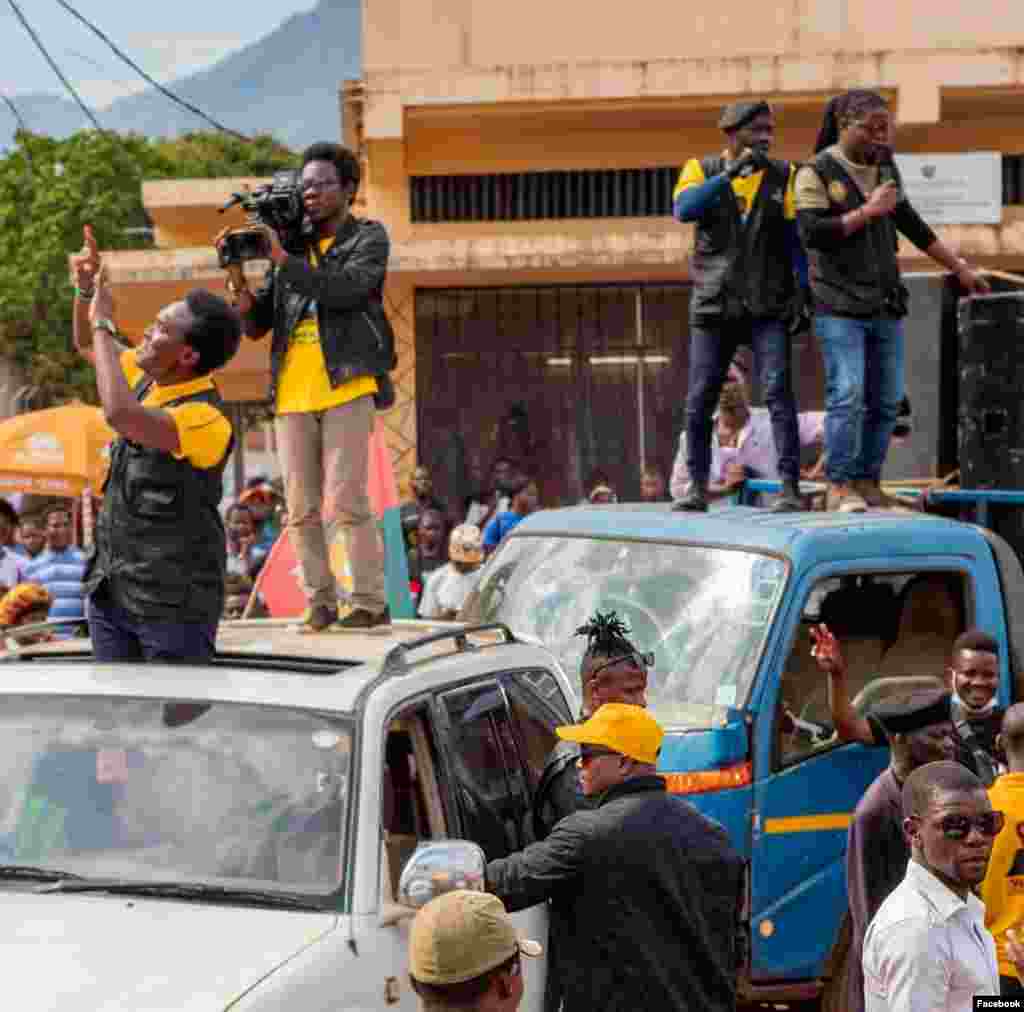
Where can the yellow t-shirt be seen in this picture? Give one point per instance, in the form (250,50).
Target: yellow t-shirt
(745,189)
(1003,889)
(203,431)
(304,384)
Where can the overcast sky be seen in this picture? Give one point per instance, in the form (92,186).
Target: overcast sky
(167,38)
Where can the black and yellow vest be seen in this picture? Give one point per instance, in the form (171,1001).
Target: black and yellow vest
(159,546)
(859,276)
(743,267)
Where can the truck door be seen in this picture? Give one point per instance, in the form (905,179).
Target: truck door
(896,628)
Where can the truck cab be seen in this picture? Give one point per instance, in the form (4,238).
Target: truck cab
(725,602)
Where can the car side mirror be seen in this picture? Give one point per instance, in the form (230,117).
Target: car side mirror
(440,866)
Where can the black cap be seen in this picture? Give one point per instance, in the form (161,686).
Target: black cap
(922,709)
(740,113)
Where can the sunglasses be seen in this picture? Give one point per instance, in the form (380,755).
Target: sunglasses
(589,752)
(958,827)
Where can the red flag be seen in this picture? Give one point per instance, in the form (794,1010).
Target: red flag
(383,488)
(278,580)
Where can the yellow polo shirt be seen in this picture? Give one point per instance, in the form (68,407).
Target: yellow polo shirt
(304,384)
(203,431)
(745,189)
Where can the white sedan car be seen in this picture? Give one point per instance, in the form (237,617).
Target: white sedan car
(230,836)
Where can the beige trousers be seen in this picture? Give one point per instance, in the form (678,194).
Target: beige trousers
(325,460)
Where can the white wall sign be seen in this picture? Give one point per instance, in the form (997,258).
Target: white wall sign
(965,189)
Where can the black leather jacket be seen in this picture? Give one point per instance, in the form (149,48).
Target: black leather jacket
(653,891)
(348,288)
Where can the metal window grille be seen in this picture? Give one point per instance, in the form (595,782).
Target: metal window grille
(580,193)
(527,196)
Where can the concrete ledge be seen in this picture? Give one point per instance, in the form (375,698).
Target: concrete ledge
(661,245)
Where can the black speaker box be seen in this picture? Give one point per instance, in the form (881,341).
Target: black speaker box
(991,406)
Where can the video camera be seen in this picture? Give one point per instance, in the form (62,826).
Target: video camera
(279,205)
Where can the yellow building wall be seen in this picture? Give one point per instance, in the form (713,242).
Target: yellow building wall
(448,33)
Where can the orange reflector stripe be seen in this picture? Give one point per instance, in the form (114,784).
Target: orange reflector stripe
(703,781)
(809,823)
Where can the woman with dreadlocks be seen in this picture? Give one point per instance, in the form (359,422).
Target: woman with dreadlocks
(851,209)
(612,671)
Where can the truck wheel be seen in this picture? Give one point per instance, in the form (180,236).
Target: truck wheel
(833,994)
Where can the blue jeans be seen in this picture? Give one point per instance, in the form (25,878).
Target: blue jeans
(118,635)
(712,347)
(863,390)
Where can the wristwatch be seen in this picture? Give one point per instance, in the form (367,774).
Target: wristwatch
(104,324)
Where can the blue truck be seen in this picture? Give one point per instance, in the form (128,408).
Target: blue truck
(725,602)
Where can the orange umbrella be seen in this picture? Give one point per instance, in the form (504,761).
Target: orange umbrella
(60,451)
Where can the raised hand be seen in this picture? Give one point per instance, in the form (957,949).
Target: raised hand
(826,650)
(85,265)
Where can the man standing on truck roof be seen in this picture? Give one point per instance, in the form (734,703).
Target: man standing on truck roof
(920,731)
(973,676)
(746,265)
(612,671)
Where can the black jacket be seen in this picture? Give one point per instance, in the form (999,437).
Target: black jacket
(654,890)
(159,547)
(858,275)
(744,267)
(348,288)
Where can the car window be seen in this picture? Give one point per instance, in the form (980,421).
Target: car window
(239,795)
(537,708)
(895,630)
(488,783)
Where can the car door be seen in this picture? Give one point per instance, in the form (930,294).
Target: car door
(488,757)
(807,783)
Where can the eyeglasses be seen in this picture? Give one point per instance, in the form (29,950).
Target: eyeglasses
(590,752)
(958,827)
(640,661)
(320,186)
(875,128)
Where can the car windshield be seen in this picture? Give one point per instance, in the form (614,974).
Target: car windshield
(703,612)
(245,797)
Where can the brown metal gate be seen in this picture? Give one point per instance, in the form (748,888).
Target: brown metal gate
(563,379)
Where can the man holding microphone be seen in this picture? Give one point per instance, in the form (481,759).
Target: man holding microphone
(748,266)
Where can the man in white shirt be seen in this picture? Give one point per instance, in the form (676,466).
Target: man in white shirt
(742,442)
(448,587)
(927,948)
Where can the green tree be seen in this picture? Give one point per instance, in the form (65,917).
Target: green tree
(49,189)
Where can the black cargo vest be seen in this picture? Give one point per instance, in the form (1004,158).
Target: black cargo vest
(743,267)
(159,542)
(859,276)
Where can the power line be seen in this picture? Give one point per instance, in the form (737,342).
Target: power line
(17,115)
(23,127)
(156,84)
(53,66)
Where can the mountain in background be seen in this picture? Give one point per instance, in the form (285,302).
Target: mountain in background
(285,84)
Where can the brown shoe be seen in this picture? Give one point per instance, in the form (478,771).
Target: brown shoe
(844,498)
(871,492)
(318,618)
(361,620)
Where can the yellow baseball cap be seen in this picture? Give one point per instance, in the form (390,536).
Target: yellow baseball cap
(630,730)
(461,935)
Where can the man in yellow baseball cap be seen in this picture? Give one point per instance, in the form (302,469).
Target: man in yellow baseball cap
(618,742)
(464,954)
(652,888)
